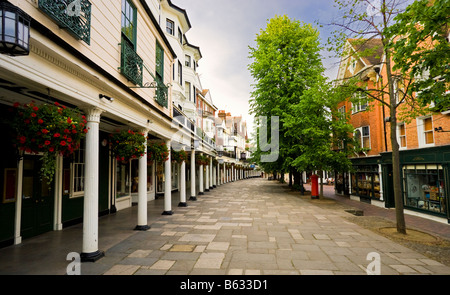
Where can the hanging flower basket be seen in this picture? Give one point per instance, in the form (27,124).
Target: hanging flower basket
(127,145)
(202,160)
(179,156)
(157,152)
(49,130)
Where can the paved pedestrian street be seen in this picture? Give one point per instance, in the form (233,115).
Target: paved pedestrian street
(256,227)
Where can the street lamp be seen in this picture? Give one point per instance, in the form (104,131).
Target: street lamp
(14,30)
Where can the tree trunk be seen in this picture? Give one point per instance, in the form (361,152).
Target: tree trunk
(400,217)
(321,185)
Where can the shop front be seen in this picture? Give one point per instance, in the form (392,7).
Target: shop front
(365,181)
(426,180)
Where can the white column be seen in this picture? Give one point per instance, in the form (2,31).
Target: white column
(182,185)
(18,215)
(215,170)
(57,213)
(225,173)
(142,223)
(168,183)
(200,181)
(193,196)
(90,251)
(207,179)
(210,173)
(232,173)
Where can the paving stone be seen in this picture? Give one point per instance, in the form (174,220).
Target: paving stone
(120,269)
(162,264)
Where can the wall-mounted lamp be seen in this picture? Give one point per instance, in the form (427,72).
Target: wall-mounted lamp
(111,99)
(14,30)
(439,129)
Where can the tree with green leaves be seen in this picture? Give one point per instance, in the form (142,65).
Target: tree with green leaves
(421,50)
(323,132)
(366,21)
(369,20)
(285,63)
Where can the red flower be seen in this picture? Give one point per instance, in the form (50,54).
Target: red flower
(57,135)
(35,109)
(63,143)
(69,139)
(56,104)
(85,130)
(69,120)
(22,139)
(40,121)
(74,131)
(27,121)
(45,131)
(51,149)
(16,104)
(47,142)
(66,131)
(33,115)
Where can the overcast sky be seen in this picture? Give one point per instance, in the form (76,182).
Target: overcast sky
(224,29)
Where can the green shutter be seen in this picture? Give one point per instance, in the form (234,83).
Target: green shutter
(161,90)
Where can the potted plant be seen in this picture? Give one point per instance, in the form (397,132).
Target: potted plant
(127,145)
(157,152)
(178,156)
(50,130)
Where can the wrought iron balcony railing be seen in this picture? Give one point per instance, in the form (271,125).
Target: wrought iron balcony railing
(131,64)
(73,15)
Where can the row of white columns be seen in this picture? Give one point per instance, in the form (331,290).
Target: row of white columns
(90,251)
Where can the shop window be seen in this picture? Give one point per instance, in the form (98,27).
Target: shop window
(366,182)
(123,180)
(423,187)
(134,176)
(77,179)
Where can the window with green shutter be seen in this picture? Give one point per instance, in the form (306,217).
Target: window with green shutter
(131,64)
(161,90)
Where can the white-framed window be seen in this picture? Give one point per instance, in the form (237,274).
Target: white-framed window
(342,111)
(401,135)
(362,136)
(352,66)
(77,175)
(187,90)
(362,104)
(425,131)
(180,36)
(396,91)
(187,60)
(180,73)
(170,27)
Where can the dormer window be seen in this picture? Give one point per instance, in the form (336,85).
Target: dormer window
(187,60)
(170,27)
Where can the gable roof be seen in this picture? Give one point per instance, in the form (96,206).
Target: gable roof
(373,48)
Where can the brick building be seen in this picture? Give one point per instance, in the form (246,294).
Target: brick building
(424,144)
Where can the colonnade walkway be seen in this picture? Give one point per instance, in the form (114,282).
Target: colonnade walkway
(247,227)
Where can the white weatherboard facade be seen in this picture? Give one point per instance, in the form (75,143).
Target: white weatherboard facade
(92,77)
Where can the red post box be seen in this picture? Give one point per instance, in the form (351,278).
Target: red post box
(314,186)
